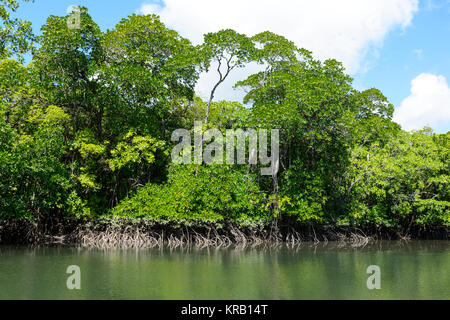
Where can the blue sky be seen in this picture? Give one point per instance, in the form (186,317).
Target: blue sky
(395,45)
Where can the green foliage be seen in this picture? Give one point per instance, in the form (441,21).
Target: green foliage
(222,115)
(16,35)
(16,94)
(197,193)
(111,84)
(34,182)
(85,130)
(134,149)
(227,45)
(402,183)
(311,103)
(147,67)
(229,50)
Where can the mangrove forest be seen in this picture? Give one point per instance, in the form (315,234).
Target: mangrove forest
(86,124)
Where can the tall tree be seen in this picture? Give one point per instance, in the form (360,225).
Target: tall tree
(16,35)
(148,67)
(230,50)
(311,103)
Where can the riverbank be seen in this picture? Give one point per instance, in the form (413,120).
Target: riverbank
(142,233)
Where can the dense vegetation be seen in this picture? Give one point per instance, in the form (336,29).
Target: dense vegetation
(85,131)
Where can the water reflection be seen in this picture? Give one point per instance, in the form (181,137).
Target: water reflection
(409,270)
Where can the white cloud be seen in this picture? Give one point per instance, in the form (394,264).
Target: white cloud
(427,105)
(71,8)
(225,91)
(345,30)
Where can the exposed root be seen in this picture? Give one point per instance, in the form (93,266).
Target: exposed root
(144,233)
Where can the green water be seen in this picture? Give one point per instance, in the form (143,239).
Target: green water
(409,270)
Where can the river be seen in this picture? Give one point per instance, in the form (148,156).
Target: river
(408,270)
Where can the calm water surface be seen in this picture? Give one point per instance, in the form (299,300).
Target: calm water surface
(409,270)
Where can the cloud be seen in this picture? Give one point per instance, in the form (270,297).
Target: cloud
(427,105)
(345,30)
(71,8)
(151,8)
(348,30)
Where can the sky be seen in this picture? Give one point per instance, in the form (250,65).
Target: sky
(401,47)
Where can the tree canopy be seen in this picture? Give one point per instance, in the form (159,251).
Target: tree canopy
(85,131)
